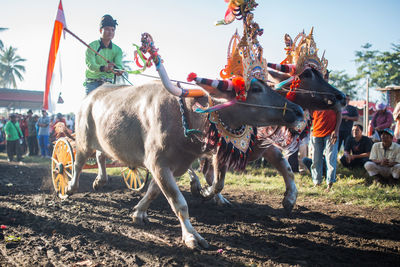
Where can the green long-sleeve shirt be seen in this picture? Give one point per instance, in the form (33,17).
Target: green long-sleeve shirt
(93,62)
(11,131)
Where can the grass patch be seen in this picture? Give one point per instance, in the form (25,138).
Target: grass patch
(352,186)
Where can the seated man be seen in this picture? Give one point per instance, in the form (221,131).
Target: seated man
(385,157)
(356,149)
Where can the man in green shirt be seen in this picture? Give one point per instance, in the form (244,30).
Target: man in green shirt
(13,135)
(98,70)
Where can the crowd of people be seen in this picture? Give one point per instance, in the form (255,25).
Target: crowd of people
(30,134)
(378,153)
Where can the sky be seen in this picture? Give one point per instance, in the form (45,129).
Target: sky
(185,34)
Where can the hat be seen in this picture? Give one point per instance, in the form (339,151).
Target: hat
(107,20)
(30,111)
(388,131)
(381,106)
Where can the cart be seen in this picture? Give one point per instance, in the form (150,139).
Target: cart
(63,168)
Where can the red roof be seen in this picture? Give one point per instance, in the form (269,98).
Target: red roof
(360,104)
(21,99)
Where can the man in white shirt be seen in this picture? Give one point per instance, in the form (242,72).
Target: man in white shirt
(385,157)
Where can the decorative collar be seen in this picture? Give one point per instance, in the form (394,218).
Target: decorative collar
(233,146)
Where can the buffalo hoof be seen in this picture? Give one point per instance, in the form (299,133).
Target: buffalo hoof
(289,201)
(99,183)
(207,193)
(195,186)
(140,218)
(71,188)
(221,201)
(192,242)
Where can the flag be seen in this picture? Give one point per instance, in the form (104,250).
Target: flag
(49,93)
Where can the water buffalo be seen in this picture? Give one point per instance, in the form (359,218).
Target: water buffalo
(141,126)
(314,93)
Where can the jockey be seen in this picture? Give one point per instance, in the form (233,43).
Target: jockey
(98,70)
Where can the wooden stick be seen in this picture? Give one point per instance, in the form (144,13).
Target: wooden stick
(88,46)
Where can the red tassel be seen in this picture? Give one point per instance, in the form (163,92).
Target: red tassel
(191,77)
(291,96)
(238,84)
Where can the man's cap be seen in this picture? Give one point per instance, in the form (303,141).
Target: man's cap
(107,20)
(388,131)
(381,106)
(30,111)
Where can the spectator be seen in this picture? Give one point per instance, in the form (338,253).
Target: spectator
(349,116)
(70,122)
(324,139)
(382,119)
(357,148)
(23,124)
(396,116)
(44,123)
(59,118)
(98,70)
(32,135)
(385,157)
(13,137)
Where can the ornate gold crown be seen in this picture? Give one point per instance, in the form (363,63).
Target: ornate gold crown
(304,54)
(254,65)
(234,66)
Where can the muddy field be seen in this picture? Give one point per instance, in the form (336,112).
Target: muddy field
(95,228)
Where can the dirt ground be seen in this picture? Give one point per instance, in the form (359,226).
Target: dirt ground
(95,228)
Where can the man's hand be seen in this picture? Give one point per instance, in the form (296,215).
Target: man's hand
(349,158)
(109,67)
(334,136)
(118,72)
(385,162)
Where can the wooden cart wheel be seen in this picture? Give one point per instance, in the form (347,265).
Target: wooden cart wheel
(62,166)
(135,179)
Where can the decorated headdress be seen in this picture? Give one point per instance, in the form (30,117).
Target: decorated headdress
(234,66)
(245,59)
(302,55)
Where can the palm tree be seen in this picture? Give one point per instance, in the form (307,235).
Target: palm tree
(1,42)
(10,67)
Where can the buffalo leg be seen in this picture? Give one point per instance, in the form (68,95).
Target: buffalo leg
(140,210)
(168,186)
(80,161)
(217,181)
(195,185)
(102,177)
(275,157)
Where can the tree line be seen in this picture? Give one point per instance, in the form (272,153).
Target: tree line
(382,68)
